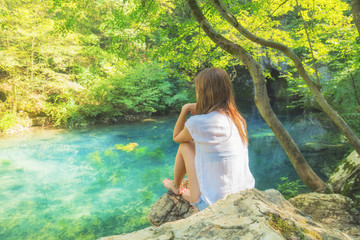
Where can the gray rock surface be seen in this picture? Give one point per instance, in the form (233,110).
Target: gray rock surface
(168,208)
(334,210)
(251,214)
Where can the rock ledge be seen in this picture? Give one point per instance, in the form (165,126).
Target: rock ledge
(251,214)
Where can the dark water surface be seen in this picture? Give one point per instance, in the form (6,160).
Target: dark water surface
(93,182)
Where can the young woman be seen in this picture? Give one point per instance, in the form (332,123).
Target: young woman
(216,161)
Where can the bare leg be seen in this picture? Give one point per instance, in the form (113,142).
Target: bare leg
(179,168)
(179,173)
(185,163)
(188,153)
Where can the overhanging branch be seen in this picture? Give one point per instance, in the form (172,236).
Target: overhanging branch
(303,169)
(333,115)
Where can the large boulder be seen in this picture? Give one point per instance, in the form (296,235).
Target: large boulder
(251,214)
(334,210)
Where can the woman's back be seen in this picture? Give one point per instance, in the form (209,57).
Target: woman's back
(221,158)
(217,164)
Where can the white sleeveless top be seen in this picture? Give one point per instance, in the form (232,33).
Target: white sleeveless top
(221,160)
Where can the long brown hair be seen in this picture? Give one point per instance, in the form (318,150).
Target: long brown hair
(214,92)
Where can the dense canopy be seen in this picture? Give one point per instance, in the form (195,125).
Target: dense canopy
(71,63)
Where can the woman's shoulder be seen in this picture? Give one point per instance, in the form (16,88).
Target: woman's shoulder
(213,117)
(202,117)
(213,114)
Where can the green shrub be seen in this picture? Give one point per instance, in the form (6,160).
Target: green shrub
(7,121)
(143,90)
(148,88)
(60,113)
(12,121)
(288,188)
(353,120)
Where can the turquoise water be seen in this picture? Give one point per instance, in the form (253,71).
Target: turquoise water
(88,183)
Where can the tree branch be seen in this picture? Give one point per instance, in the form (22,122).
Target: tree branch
(310,45)
(334,116)
(270,15)
(262,102)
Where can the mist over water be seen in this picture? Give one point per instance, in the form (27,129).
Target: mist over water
(93,182)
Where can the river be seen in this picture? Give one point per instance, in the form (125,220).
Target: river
(92,182)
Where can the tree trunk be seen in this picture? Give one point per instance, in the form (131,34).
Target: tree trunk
(333,115)
(304,171)
(355,4)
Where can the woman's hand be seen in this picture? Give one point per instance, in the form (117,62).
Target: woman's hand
(189,107)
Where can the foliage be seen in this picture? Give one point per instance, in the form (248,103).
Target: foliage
(7,121)
(278,20)
(144,89)
(11,122)
(288,188)
(79,62)
(344,91)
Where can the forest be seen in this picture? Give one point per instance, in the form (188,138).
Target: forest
(74,64)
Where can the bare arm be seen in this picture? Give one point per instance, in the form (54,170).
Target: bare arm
(181,133)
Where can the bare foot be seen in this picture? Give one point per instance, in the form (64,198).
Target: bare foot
(185,193)
(171,186)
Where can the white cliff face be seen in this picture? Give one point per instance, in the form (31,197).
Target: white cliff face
(251,214)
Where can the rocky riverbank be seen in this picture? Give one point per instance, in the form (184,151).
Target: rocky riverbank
(254,214)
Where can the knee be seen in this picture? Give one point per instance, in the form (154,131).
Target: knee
(195,197)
